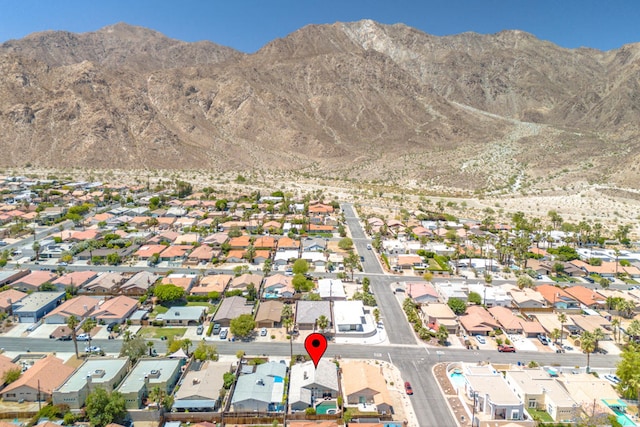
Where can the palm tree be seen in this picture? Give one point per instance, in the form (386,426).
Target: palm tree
(72,323)
(615,324)
(323,322)
(562,318)
(150,345)
(88,326)
(186,343)
(36,248)
(598,336)
(157,395)
(555,334)
(588,345)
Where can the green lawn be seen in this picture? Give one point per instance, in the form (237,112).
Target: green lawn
(539,415)
(157,332)
(210,307)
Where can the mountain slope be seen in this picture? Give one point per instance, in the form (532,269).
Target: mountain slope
(360,100)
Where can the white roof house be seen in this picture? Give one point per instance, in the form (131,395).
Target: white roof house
(331,289)
(308,383)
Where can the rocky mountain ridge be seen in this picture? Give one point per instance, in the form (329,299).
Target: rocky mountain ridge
(358,100)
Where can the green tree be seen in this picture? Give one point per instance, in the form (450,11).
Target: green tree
(442,335)
(351,263)
(345,243)
(376,315)
(562,318)
(134,348)
(301,266)
(242,326)
(87,327)
(555,334)
(524,281)
(113,259)
(72,324)
(322,322)
(588,346)
(36,249)
(168,292)
(457,305)
(628,371)
(474,298)
(301,283)
(104,408)
(11,375)
(366,285)
(205,351)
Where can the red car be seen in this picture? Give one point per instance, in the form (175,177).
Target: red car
(506,348)
(407,387)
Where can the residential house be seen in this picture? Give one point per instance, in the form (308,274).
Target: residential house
(183,316)
(314,245)
(586,323)
(287,243)
(437,314)
(213,283)
(587,297)
(352,318)
(230,308)
(261,390)
(105,284)
(236,256)
(278,286)
(363,383)
(240,242)
(408,261)
(103,372)
(7,276)
(331,290)
(8,298)
(558,298)
(540,391)
(243,281)
(200,390)
(268,243)
(148,374)
(35,306)
(308,384)
(74,280)
(527,300)
(509,322)
(82,307)
(216,240)
(117,309)
(201,255)
(284,257)
(492,296)
(33,280)
(139,284)
(146,252)
(421,292)
(175,254)
(590,393)
(308,312)
(478,321)
(269,314)
(494,400)
(184,281)
(39,381)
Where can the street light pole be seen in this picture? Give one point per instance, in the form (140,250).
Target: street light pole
(473,416)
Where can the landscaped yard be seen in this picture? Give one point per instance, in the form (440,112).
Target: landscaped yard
(155,332)
(540,415)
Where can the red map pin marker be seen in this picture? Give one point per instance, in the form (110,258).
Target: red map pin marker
(316,345)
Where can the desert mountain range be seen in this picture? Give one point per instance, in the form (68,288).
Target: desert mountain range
(358,100)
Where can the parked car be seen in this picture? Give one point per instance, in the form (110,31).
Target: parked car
(223,334)
(111,326)
(216,328)
(263,332)
(83,337)
(407,388)
(543,339)
(92,349)
(503,348)
(612,378)
(480,339)
(64,338)
(199,330)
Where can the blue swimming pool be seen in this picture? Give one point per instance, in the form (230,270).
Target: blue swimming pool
(457,380)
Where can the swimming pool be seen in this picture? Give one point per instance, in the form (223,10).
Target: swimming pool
(327,407)
(457,380)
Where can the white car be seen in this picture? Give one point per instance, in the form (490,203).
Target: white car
(480,339)
(92,349)
(612,379)
(83,337)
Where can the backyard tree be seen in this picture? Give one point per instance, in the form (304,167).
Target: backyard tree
(457,305)
(104,408)
(168,292)
(243,326)
(345,243)
(301,266)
